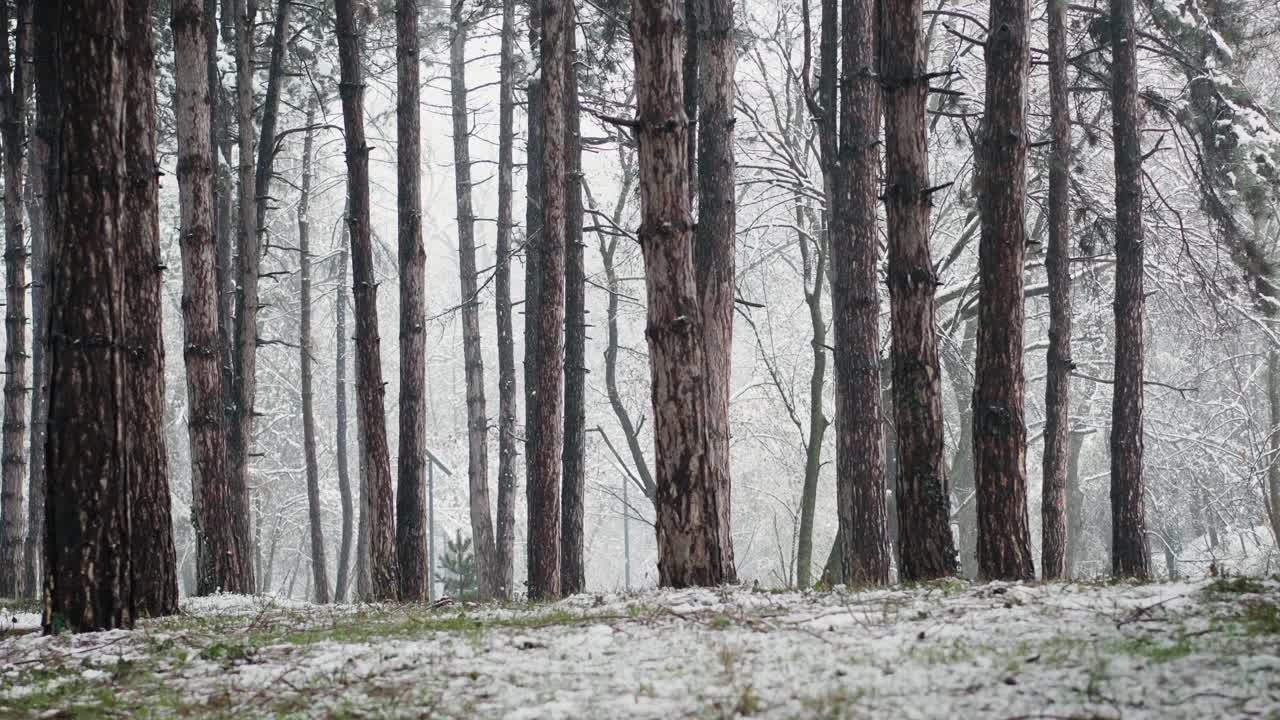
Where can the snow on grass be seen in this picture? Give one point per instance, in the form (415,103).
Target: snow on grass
(1205,649)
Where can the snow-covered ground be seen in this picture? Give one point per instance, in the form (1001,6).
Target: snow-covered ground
(1208,649)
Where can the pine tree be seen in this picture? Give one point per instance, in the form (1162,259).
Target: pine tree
(458,570)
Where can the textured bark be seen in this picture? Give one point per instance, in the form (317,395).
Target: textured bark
(532,272)
(223,558)
(506,520)
(155,580)
(340,439)
(411,487)
(473,354)
(37,160)
(1053,501)
(814,270)
(544,481)
(573,571)
(999,433)
(384,576)
(1130,555)
(691,501)
(319,567)
(222,142)
(689,70)
(714,234)
(13,466)
(245,352)
(87,582)
(926,549)
(860,472)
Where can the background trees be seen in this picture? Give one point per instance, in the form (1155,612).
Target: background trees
(804,254)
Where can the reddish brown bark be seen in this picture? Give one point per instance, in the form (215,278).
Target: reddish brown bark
(224,554)
(473,356)
(87,583)
(411,488)
(860,478)
(926,548)
(573,487)
(1053,502)
(999,433)
(1130,556)
(544,481)
(155,580)
(691,504)
(506,521)
(383,569)
(713,248)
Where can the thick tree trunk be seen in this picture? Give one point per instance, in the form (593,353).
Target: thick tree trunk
(573,571)
(714,235)
(155,580)
(544,483)
(223,557)
(37,161)
(222,142)
(411,488)
(384,576)
(87,584)
(1053,501)
(319,568)
(13,466)
(245,354)
(692,504)
(855,301)
(340,439)
(689,70)
(506,525)
(926,548)
(999,433)
(1130,556)
(473,355)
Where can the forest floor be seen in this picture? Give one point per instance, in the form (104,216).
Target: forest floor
(1208,649)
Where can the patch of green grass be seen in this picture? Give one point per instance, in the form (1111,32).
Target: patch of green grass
(1154,650)
(838,703)
(1261,618)
(1236,585)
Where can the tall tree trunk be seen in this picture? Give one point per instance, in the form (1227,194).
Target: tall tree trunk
(155,581)
(860,471)
(340,439)
(714,234)
(364,580)
(544,483)
(35,190)
(506,525)
(1053,510)
(223,558)
(319,568)
(411,488)
(477,417)
(382,533)
(999,433)
(535,189)
(691,502)
(87,583)
(1130,556)
(573,572)
(926,548)
(222,142)
(244,385)
(13,94)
